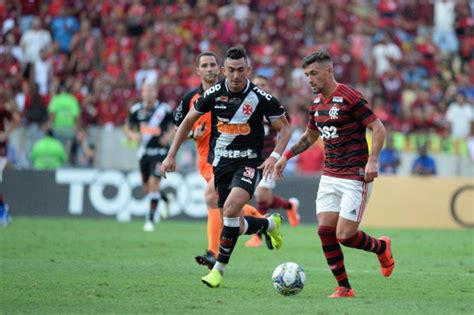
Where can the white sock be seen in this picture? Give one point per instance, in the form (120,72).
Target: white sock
(219,266)
(271,225)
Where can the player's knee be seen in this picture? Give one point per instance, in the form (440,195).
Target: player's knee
(211,198)
(231,209)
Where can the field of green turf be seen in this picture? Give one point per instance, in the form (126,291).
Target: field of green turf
(101,266)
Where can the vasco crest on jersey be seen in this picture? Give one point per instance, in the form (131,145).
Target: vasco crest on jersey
(334,112)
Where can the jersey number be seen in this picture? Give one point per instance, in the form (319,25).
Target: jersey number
(328,132)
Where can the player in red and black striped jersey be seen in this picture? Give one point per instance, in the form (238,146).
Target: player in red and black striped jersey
(341,115)
(264,196)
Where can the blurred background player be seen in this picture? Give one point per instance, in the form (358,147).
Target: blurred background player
(341,115)
(237,106)
(207,68)
(150,123)
(264,196)
(9,120)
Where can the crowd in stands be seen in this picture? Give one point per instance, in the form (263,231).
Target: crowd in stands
(75,63)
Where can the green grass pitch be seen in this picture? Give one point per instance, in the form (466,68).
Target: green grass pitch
(77,265)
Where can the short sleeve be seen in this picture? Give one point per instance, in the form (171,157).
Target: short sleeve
(204,104)
(273,109)
(361,111)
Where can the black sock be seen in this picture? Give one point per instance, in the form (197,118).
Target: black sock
(229,238)
(153,207)
(256,225)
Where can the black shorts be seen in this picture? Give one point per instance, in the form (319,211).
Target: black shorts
(247,177)
(150,166)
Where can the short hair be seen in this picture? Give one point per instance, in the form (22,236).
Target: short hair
(261,76)
(205,53)
(236,53)
(318,56)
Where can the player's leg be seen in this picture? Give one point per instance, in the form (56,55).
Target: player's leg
(328,207)
(355,197)
(269,200)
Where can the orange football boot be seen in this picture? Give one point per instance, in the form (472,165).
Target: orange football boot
(387,263)
(342,292)
(293,215)
(255,241)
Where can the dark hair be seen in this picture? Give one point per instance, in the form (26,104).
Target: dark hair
(260,76)
(236,53)
(318,56)
(205,53)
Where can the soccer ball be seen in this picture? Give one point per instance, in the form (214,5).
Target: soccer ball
(288,278)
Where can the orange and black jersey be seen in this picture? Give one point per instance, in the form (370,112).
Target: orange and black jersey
(341,120)
(203,123)
(237,123)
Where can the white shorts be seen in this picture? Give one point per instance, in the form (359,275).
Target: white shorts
(347,196)
(267,183)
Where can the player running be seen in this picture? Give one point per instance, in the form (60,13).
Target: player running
(340,115)
(238,108)
(208,70)
(150,123)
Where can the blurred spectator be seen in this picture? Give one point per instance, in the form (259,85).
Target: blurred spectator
(9,120)
(36,117)
(385,53)
(460,116)
(29,9)
(80,150)
(33,40)
(64,113)
(443,31)
(63,28)
(423,164)
(311,161)
(48,153)
(389,159)
(43,71)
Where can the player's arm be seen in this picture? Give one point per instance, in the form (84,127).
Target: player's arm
(169,164)
(306,140)
(12,124)
(131,125)
(378,138)
(284,132)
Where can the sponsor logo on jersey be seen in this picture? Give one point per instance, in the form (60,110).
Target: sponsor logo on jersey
(247,109)
(220,106)
(223,99)
(147,130)
(235,154)
(337,99)
(333,112)
(233,129)
(235,100)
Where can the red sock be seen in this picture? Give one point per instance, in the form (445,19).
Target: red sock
(364,241)
(333,253)
(262,207)
(279,202)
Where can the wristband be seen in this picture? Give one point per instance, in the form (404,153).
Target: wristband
(275,155)
(288,154)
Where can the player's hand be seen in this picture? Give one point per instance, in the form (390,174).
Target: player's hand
(267,167)
(168,166)
(280,167)
(371,171)
(199,131)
